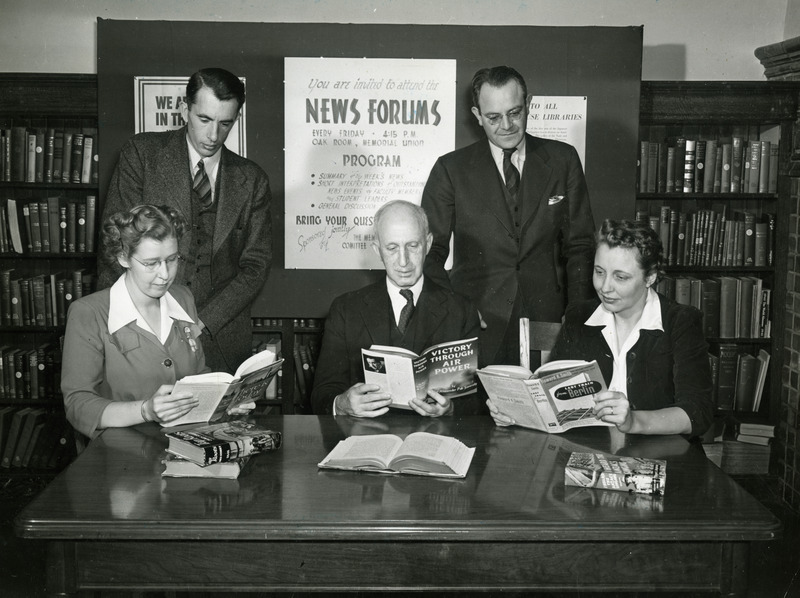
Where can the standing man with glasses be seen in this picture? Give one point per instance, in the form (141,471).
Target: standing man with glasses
(227,249)
(518,209)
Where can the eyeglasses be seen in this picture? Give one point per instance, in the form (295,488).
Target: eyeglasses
(153,265)
(513,115)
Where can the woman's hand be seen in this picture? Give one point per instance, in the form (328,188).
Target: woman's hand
(164,406)
(613,407)
(499,418)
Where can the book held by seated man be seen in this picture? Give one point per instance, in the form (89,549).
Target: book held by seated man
(447,368)
(556,397)
(221,442)
(219,391)
(421,453)
(613,472)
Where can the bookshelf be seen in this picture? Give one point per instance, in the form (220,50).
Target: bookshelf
(298,342)
(723,111)
(48,205)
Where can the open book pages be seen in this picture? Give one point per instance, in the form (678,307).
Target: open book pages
(554,400)
(219,391)
(420,453)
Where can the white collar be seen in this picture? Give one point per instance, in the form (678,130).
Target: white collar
(122,311)
(210,164)
(394,290)
(650,320)
(518,156)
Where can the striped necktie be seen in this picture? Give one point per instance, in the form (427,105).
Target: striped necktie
(511,175)
(407,311)
(202,187)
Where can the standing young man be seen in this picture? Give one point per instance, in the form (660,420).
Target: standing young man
(227,251)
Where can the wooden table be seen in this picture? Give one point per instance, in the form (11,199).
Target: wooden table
(112,522)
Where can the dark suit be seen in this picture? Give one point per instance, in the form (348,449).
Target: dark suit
(153,168)
(665,369)
(364,317)
(528,270)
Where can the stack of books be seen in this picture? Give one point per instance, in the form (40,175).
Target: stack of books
(755,433)
(218,450)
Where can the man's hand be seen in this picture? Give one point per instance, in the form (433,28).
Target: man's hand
(435,405)
(363,400)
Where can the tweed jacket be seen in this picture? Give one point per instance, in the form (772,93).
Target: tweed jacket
(154,168)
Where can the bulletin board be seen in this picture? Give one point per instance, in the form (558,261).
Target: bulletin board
(601,63)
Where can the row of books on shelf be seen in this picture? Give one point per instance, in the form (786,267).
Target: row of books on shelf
(713,237)
(34,438)
(32,374)
(723,164)
(43,299)
(732,306)
(48,225)
(278,322)
(42,154)
(738,377)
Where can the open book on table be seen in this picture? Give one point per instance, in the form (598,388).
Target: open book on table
(447,368)
(421,453)
(219,391)
(556,397)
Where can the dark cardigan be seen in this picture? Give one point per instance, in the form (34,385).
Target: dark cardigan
(668,368)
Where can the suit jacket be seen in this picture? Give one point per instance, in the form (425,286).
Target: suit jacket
(547,262)
(154,168)
(668,368)
(362,318)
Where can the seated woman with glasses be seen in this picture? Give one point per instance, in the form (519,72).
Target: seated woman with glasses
(126,346)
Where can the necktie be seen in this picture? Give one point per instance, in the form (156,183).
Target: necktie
(511,175)
(407,311)
(202,187)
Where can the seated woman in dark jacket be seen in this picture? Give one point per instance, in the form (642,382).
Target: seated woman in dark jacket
(651,350)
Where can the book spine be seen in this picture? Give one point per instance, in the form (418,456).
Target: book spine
(49,155)
(86,160)
(689,166)
(737,164)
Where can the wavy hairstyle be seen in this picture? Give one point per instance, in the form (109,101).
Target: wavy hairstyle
(123,231)
(634,235)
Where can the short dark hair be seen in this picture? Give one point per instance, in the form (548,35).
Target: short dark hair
(496,76)
(639,236)
(224,84)
(123,231)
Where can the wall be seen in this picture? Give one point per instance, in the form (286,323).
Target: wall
(683,39)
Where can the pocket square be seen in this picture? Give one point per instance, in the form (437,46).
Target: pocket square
(554,200)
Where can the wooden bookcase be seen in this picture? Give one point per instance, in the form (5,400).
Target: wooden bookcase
(706,109)
(299,340)
(59,102)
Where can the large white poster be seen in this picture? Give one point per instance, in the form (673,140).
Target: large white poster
(359,132)
(157,103)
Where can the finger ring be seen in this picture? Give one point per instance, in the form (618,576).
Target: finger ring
(612,411)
